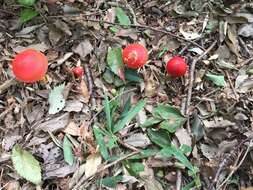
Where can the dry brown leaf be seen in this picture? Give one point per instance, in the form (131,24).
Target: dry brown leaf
(84,91)
(72,129)
(92,163)
(13,185)
(110,17)
(183,137)
(83,48)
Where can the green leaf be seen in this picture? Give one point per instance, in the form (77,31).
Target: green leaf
(166,112)
(56,99)
(108,113)
(28,14)
(26,165)
(131,114)
(115,62)
(100,141)
(144,154)
(185,149)
(189,186)
(67,151)
(111,181)
(27,2)
(126,108)
(161,137)
(122,17)
(179,155)
(132,76)
(218,80)
(151,122)
(113,29)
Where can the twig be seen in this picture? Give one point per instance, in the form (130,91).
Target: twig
(7,84)
(127,145)
(232,86)
(237,167)
(84,178)
(179,180)
(80,18)
(91,87)
(192,72)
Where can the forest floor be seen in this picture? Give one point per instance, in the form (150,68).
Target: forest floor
(119,128)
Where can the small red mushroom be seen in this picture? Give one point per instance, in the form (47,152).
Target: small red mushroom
(176,66)
(78,71)
(135,56)
(29,66)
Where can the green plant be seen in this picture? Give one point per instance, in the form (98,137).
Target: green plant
(28,11)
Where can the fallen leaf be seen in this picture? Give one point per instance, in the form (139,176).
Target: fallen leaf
(92,163)
(189,35)
(67,151)
(13,185)
(183,137)
(59,171)
(39,47)
(138,140)
(56,99)
(83,48)
(72,129)
(243,83)
(122,17)
(26,165)
(54,124)
(218,123)
(127,33)
(209,151)
(73,106)
(246,30)
(84,91)
(218,80)
(110,16)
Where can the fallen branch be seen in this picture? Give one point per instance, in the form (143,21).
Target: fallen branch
(192,72)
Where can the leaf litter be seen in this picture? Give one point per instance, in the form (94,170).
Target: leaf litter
(70,132)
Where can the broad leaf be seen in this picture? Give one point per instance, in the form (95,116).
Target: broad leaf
(131,114)
(56,99)
(26,165)
(179,155)
(122,17)
(132,76)
(115,62)
(108,113)
(92,163)
(151,122)
(27,2)
(144,154)
(166,112)
(28,14)
(111,182)
(218,80)
(160,137)
(67,151)
(100,141)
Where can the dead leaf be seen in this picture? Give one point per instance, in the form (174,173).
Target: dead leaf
(232,39)
(13,185)
(54,124)
(246,30)
(110,17)
(243,83)
(209,151)
(37,140)
(39,47)
(219,123)
(63,27)
(73,106)
(127,33)
(83,49)
(92,163)
(56,170)
(84,91)
(138,140)
(72,129)
(183,137)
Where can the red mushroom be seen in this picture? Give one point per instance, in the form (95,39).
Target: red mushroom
(176,66)
(78,71)
(135,56)
(29,66)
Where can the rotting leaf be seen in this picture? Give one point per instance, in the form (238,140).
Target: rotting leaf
(26,165)
(138,140)
(218,80)
(56,99)
(67,151)
(83,48)
(84,91)
(115,62)
(92,163)
(122,17)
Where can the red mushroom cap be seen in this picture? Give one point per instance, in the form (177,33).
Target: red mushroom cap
(78,71)
(135,56)
(176,66)
(29,66)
